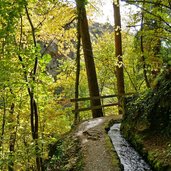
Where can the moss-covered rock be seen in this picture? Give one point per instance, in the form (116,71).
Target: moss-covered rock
(66,154)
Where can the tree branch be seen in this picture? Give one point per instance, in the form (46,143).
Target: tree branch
(31,24)
(148,2)
(157,16)
(34,40)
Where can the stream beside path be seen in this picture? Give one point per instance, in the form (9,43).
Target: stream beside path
(129,158)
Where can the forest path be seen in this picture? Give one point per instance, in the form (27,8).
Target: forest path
(98,154)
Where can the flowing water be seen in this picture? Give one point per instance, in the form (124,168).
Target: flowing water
(129,158)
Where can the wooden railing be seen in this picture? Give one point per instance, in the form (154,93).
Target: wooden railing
(97,97)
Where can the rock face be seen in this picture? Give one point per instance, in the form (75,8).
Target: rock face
(147,123)
(51,47)
(98,29)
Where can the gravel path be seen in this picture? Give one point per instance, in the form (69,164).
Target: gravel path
(97,151)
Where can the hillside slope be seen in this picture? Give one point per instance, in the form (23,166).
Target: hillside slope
(147,123)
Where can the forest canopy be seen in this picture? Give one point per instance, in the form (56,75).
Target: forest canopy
(39,49)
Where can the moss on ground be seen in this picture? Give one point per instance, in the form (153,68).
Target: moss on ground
(67,155)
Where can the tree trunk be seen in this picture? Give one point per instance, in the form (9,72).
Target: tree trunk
(142,50)
(76,120)
(3,121)
(34,117)
(89,61)
(12,139)
(118,54)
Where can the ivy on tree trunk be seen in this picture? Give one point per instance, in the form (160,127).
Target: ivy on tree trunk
(118,54)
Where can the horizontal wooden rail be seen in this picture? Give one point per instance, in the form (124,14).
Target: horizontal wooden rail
(95,107)
(90,98)
(97,97)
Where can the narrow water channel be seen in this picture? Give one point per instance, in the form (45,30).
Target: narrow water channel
(129,158)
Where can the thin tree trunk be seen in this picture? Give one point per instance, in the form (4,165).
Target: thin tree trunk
(77,71)
(132,82)
(118,54)
(33,105)
(142,50)
(12,138)
(3,122)
(89,60)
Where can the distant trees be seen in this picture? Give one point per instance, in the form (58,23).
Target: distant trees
(27,99)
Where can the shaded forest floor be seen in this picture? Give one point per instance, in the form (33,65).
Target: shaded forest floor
(157,149)
(88,148)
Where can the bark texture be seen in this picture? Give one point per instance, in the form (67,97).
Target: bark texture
(89,61)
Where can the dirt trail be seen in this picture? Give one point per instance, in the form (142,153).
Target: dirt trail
(96,148)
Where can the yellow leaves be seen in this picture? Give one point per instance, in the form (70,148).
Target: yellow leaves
(116,2)
(117,28)
(54,118)
(56,20)
(119,56)
(119,64)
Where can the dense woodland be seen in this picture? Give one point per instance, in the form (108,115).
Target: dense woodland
(52,51)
